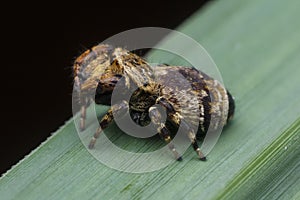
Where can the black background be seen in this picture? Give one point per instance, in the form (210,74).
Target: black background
(39,44)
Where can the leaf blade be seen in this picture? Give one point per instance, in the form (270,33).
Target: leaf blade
(256,51)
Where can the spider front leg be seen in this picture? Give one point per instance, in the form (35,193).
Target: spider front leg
(115,110)
(84,104)
(179,121)
(83,100)
(162,130)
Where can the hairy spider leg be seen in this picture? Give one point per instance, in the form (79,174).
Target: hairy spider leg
(162,130)
(117,110)
(177,119)
(84,104)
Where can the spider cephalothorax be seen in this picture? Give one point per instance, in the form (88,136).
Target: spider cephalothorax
(190,97)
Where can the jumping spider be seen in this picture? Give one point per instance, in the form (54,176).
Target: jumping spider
(100,68)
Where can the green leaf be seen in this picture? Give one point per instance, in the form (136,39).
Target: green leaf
(256,46)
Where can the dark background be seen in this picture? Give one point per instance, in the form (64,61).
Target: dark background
(39,45)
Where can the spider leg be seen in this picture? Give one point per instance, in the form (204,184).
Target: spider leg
(192,136)
(85,102)
(189,132)
(179,121)
(117,110)
(162,130)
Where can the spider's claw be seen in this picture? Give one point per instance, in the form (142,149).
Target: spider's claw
(175,153)
(200,154)
(203,158)
(179,158)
